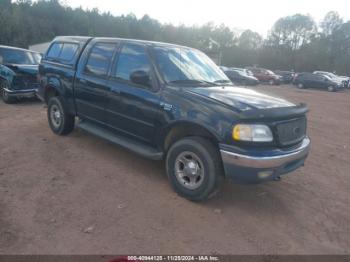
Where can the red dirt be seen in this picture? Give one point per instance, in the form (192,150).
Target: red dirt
(53,188)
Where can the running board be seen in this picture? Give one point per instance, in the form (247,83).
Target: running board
(134,146)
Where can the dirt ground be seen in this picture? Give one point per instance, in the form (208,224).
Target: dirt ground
(81,195)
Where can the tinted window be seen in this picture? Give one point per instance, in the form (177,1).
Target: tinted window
(100,58)
(55,50)
(15,56)
(132,58)
(68,51)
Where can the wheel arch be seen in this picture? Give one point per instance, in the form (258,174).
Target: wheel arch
(182,129)
(53,88)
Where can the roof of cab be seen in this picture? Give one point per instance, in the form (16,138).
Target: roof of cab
(17,48)
(84,39)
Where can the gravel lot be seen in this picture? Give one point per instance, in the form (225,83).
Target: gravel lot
(81,195)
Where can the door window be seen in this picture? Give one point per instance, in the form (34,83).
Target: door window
(132,59)
(100,59)
(68,51)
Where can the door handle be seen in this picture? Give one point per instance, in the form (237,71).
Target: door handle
(83,81)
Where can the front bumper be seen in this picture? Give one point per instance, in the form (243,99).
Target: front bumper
(21,93)
(259,166)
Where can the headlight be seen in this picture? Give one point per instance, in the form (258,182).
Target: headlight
(253,133)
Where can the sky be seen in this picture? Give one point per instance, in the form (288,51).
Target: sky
(257,15)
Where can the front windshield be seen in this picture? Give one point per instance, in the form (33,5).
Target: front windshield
(184,65)
(14,56)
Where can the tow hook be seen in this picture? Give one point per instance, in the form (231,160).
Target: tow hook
(277,178)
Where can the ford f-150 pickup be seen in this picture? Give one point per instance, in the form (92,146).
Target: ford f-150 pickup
(172,103)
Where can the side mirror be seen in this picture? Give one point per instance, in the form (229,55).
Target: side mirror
(141,77)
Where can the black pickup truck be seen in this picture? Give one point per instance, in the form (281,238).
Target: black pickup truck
(172,102)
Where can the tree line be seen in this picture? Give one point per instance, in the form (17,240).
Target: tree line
(294,42)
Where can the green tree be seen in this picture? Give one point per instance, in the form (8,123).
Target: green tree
(331,22)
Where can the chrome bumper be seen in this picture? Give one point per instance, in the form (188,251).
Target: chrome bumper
(22,93)
(266,162)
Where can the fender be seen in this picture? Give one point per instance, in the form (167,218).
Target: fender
(54,83)
(7,74)
(186,128)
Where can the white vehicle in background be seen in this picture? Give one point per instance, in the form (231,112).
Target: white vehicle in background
(345,80)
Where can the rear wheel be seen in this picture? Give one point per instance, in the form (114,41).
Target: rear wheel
(5,96)
(301,86)
(60,121)
(194,168)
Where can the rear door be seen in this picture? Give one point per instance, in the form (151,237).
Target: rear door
(91,83)
(132,108)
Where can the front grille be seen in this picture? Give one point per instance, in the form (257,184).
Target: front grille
(25,82)
(291,132)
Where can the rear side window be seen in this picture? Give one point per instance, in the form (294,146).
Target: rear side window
(55,50)
(100,59)
(64,52)
(68,52)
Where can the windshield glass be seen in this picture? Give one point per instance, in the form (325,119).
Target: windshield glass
(182,65)
(14,56)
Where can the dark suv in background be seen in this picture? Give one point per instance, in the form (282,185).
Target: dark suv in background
(309,80)
(287,76)
(18,73)
(240,76)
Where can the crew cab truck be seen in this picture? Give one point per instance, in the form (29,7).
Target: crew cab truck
(172,103)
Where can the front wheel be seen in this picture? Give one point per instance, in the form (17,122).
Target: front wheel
(5,96)
(60,121)
(331,89)
(194,168)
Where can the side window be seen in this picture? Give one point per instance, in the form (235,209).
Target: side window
(68,51)
(55,50)
(100,59)
(133,60)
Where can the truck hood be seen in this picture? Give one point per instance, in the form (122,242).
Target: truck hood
(241,99)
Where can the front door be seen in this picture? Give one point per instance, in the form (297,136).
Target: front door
(132,107)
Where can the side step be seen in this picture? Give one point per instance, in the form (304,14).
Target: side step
(134,146)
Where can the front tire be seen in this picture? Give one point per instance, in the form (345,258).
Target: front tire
(60,121)
(5,96)
(331,89)
(194,168)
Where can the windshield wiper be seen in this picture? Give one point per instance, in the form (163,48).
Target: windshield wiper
(192,81)
(223,81)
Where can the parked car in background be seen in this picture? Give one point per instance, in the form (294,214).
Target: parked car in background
(344,79)
(287,76)
(240,77)
(18,73)
(172,103)
(246,71)
(306,80)
(265,75)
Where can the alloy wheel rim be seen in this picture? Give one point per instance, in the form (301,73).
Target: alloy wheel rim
(56,116)
(189,170)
